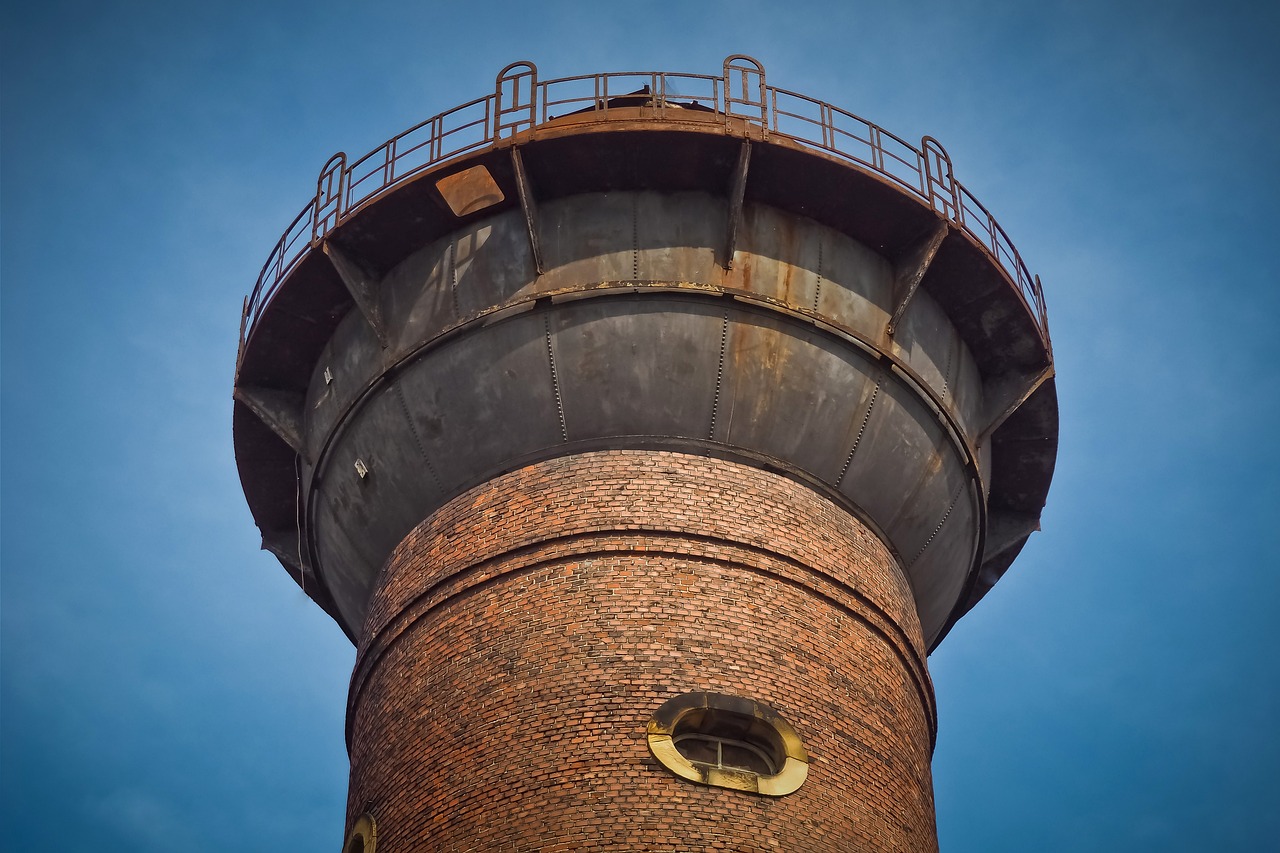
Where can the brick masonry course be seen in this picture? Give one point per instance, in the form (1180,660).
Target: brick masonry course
(520,639)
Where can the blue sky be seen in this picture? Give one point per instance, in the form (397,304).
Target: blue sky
(165,686)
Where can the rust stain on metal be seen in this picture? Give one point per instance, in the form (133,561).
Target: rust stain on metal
(470,190)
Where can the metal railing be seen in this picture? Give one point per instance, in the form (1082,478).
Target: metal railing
(739,94)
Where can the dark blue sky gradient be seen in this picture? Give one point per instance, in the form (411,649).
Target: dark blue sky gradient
(165,686)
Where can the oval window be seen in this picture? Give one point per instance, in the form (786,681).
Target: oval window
(363,837)
(729,742)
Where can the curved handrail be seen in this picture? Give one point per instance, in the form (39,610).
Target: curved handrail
(342,190)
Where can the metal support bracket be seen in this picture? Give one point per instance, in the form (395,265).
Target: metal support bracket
(287,548)
(737,192)
(361,284)
(909,271)
(1003,395)
(281,411)
(529,206)
(1005,529)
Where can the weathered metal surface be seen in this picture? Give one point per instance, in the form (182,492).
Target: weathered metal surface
(849,344)
(652,346)
(470,191)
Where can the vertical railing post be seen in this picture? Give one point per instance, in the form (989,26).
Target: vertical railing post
(877,147)
(515,99)
(746,75)
(330,197)
(940,184)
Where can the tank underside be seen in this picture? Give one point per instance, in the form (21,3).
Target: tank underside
(633,284)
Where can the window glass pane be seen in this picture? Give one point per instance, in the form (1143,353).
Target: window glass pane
(697,748)
(744,757)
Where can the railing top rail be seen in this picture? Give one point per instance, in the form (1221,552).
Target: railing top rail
(481,122)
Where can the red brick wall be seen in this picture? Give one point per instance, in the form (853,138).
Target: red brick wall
(522,637)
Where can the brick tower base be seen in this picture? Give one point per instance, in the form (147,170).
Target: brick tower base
(522,638)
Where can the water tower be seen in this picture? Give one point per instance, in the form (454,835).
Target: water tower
(645,432)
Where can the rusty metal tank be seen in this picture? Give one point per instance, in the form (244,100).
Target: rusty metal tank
(699,263)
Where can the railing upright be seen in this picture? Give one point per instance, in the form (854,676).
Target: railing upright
(515,99)
(940,184)
(744,86)
(330,195)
